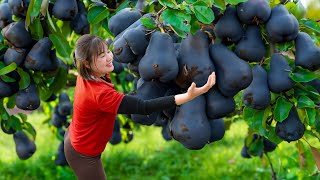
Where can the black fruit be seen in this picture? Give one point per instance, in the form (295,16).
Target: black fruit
(58,120)
(278,75)
(25,147)
(17,55)
(190,125)
(65,10)
(291,129)
(60,157)
(307,53)
(254,11)
(268,146)
(218,105)
(116,137)
(41,57)
(65,106)
(149,90)
(28,98)
(136,40)
(123,19)
(251,47)
(233,74)
(195,64)
(19,7)
(122,51)
(17,34)
(5,15)
(217,129)
(282,26)
(228,28)
(158,65)
(257,94)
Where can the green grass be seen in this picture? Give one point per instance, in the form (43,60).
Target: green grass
(149,156)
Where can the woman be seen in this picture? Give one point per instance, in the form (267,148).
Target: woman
(96,104)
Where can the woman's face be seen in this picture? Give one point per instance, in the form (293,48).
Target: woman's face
(103,64)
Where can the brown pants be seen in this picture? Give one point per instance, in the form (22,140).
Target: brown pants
(85,167)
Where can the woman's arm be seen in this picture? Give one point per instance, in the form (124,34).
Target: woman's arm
(134,105)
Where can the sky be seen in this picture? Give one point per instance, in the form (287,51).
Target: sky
(306,2)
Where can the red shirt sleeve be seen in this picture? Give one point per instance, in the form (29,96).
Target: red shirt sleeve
(109,100)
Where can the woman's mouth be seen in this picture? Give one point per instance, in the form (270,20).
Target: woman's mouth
(110,65)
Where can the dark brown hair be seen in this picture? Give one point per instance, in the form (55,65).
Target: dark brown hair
(87,49)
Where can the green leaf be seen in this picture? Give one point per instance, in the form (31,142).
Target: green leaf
(148,23)
(203,13)
(123,5)
(300,74)
(44,92)
(29,129)
(283,47)
(33,11)
(24,78)
(311,115)
(7,79)
(178,32)
(11,102)
(282,109)
(15,123)
(60,80)
(311,24)
(316,155)
(220,4)
(307,90)
(105,26)
(235,2)
(168,3)
(97,13)
(62,46)
(195,26)
(256,119)
(304,101)
(178,19)
(1,39)
(36,29)
(11,67)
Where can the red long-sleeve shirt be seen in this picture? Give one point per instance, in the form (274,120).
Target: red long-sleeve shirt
(94,112)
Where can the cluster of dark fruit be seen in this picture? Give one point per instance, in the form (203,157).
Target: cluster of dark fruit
(256,145)
(59,120)
(166,65)
(34,56)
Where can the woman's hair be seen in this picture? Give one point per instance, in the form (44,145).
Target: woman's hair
(87,49)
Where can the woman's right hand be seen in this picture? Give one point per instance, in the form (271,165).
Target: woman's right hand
(194,91)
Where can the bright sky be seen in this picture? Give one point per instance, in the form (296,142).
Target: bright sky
(306,2)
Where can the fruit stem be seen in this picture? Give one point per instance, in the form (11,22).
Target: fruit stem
(274,177)
(160,26)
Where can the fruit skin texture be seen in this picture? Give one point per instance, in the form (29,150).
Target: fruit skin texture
(233,74)
(307,53)
(254,11)
(290,129)
(229,28)
(257,94)
(25,148)
(282,26)
(251,46)
(278,75)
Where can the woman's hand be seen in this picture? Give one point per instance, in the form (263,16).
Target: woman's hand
(194,92)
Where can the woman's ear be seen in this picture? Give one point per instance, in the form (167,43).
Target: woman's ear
(87,64)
